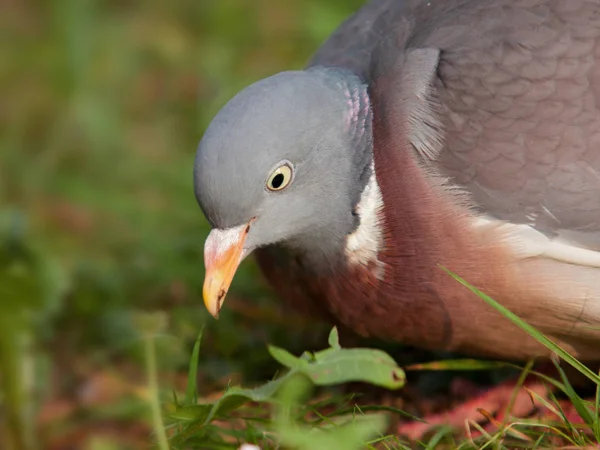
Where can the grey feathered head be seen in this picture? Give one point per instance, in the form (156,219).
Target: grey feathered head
(283,162)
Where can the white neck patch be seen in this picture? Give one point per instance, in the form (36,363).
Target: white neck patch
(364,244)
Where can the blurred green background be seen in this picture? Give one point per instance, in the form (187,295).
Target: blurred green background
(102,104)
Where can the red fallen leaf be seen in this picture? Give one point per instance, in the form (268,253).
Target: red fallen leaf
(494,401)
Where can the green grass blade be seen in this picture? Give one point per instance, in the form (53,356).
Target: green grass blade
(191,391)
(154,395)
(458,364)
(577,401)
(513,396)
(440,435)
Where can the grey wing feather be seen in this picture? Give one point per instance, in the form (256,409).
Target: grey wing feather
(353,42)
(520,97)
(522,113)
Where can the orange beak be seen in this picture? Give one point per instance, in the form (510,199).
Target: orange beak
(223,253)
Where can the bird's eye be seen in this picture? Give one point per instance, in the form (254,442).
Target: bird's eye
(280,178)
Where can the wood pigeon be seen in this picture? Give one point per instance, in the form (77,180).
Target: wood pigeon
(462,134)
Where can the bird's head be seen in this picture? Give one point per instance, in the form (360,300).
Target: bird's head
(283,162)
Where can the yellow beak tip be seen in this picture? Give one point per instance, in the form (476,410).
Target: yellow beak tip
(213,303)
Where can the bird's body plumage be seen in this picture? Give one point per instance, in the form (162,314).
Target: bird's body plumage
(485,160)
